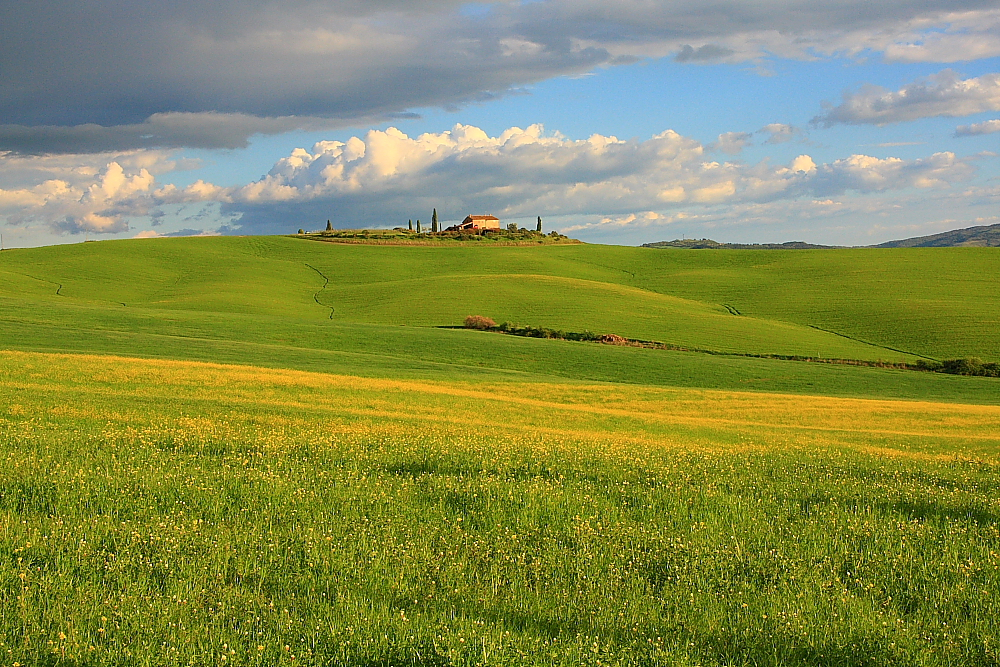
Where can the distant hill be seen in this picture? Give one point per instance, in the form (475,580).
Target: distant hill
(984,236)
(697,244)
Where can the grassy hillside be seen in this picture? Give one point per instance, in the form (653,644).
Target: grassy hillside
(173,513)
(863,304)
(364,487)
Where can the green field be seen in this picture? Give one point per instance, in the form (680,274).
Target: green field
(892,305)
(261,451)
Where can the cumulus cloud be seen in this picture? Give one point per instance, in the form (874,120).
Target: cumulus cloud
(986,127)
(387,177)
(943,94)
(89,193)
(732,142)
(779,133)
(101,207)
(212,74)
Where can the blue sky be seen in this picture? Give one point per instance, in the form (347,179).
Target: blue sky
(753,122)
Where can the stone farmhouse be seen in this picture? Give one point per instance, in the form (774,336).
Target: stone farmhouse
(475,223)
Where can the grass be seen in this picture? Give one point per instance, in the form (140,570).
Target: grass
(865,304)
(387,351)
(264,451)
(170,513)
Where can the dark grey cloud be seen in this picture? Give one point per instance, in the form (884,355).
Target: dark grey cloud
(90,76)
(162,130)
(706,53)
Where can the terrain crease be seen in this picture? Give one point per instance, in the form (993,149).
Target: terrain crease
(325,284)
(859,340)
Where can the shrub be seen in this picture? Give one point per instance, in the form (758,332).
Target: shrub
(479,322)
(971,366)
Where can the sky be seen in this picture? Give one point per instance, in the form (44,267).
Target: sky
(845,122)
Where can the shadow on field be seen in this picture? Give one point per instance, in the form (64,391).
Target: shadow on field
(925,511)
(416,469)
(30,497)
(861,654)
(417,658)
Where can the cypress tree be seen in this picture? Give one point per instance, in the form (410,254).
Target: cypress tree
(329,227)
(539,227)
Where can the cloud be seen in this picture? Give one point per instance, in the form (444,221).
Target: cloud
(213,74)
(387,177)
(943,94)
(986,127)
(779,133)
(732,142)
(161,130)
(82,200)
(705,53)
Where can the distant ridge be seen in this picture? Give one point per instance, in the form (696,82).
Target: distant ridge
(698,244)
(983,236)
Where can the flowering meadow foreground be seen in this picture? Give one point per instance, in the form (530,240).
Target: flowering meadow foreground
(181,513)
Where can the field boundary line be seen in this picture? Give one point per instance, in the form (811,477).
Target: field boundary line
(318,292)
(59,286)
(859,340)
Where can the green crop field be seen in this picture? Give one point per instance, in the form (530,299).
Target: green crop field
(261,451)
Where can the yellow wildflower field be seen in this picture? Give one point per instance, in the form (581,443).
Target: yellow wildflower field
(166,513)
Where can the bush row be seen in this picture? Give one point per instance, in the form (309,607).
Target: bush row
(968,366)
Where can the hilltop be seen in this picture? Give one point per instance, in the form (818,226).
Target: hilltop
(982,236)
(700,244)
(970,237)
(403,236)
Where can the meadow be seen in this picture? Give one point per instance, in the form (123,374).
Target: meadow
(175,513)
(261,451)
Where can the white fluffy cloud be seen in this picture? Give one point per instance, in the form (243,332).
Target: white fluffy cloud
(386,177)
(90,193)
(986,127)
(943,94)
(779,133)
(732,142)
(101,207)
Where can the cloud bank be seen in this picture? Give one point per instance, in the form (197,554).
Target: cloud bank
(89,77)
(986,127)
(943,94)
(387,177)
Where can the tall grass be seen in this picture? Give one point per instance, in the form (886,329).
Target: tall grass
(164,513)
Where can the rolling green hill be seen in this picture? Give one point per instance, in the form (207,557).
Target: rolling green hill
(432,495)
(284,301)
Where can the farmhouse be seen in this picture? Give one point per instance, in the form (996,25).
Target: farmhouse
(477,222)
